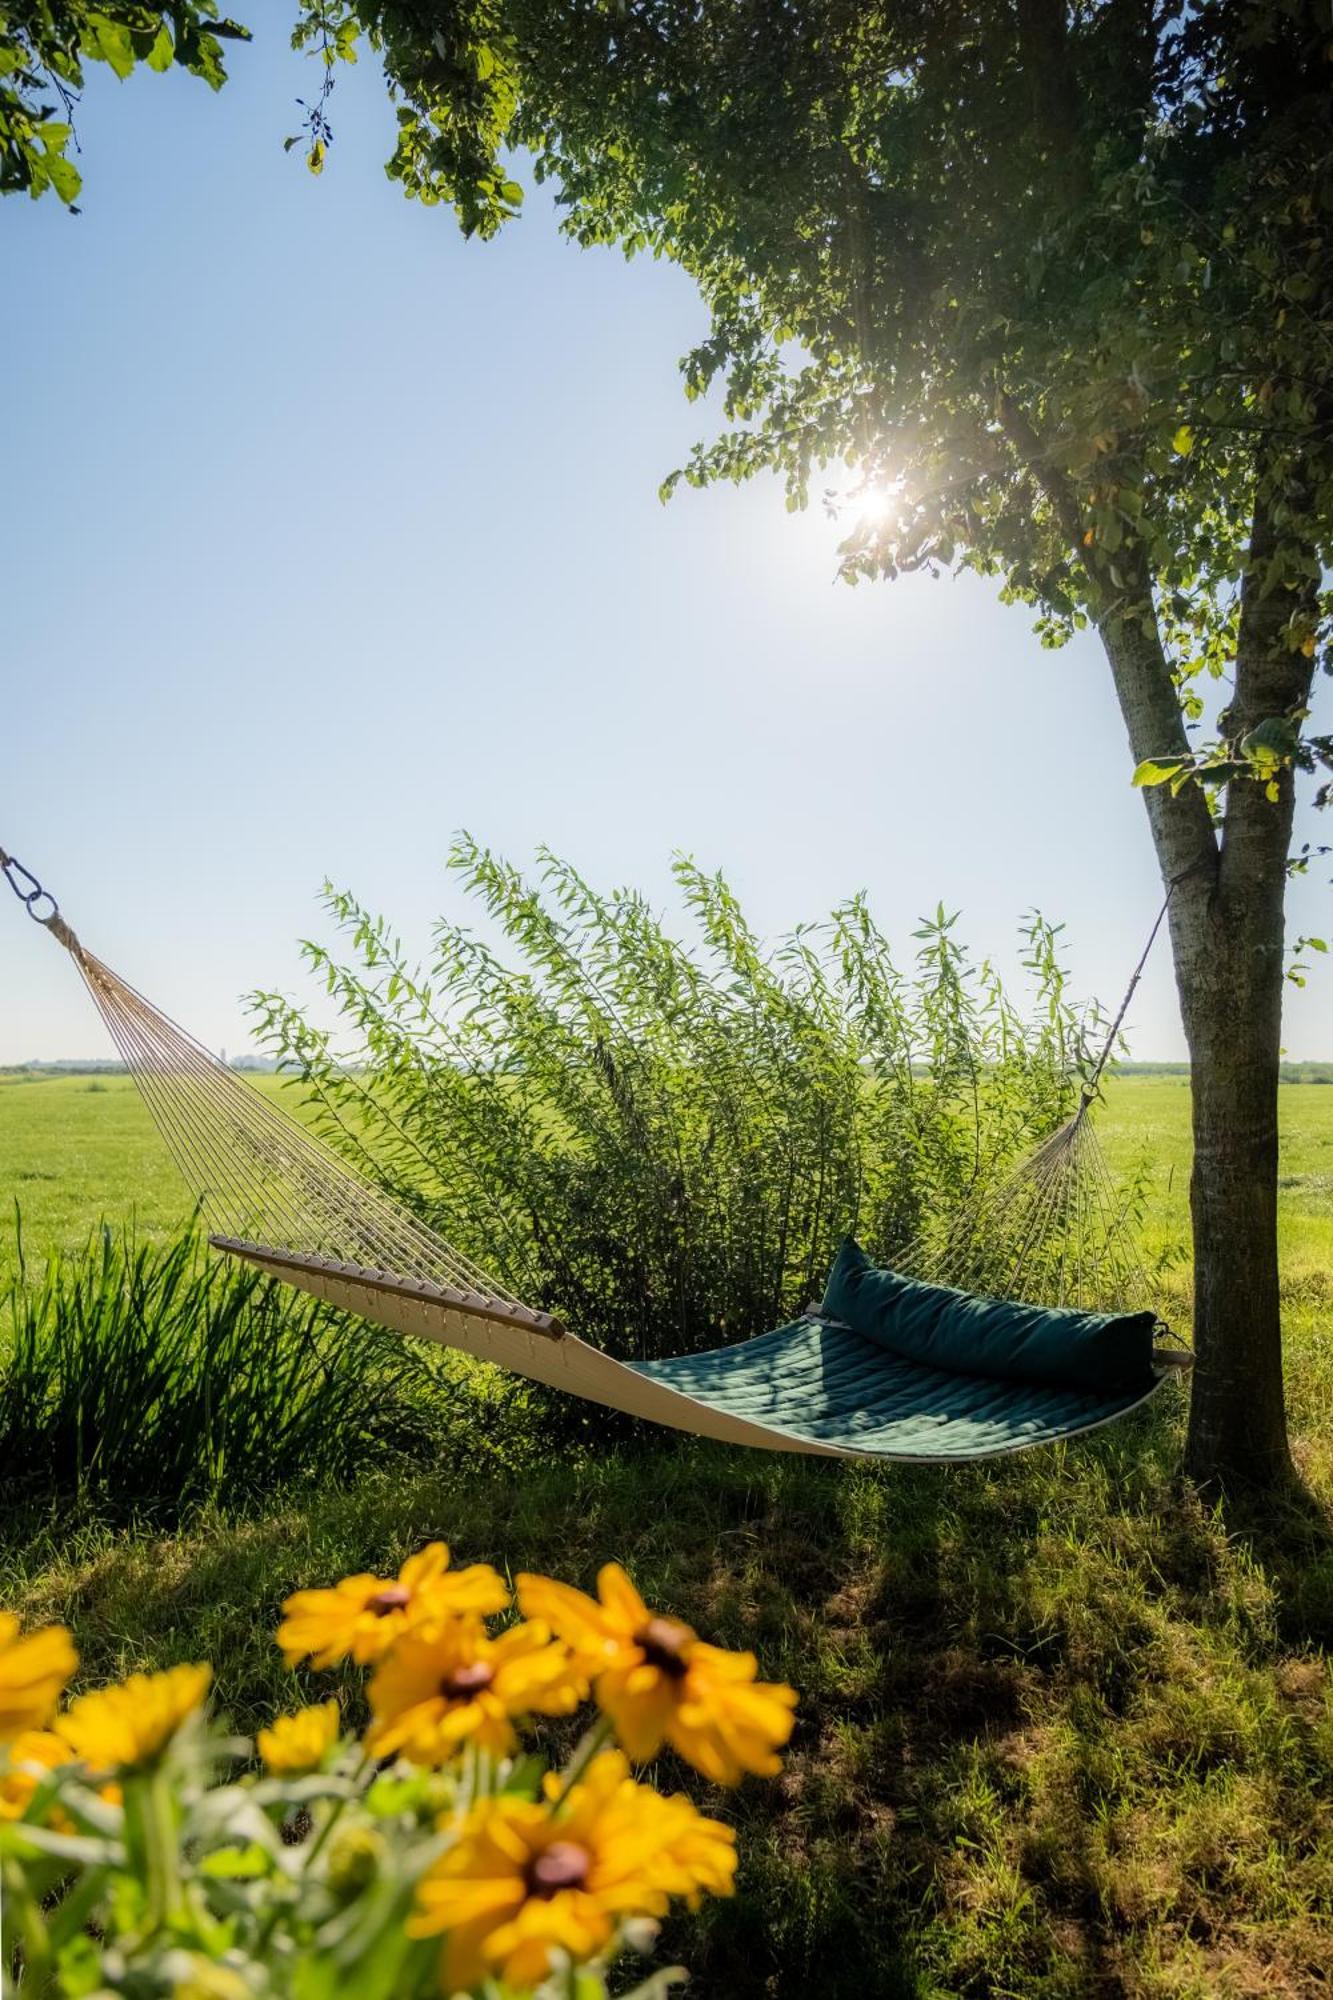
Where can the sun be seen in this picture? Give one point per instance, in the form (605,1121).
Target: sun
(872,504)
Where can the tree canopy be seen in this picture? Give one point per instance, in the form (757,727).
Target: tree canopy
(1057,280)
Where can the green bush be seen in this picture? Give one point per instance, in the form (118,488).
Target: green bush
(159,1376)
(664,1143)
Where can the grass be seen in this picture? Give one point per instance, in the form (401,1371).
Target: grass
(78,1150)
(157,1376)
(1064,1730)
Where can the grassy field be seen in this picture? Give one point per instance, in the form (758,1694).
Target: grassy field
(1065,1731)
(76,1149)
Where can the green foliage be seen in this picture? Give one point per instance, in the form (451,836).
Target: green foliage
(666,1144)
(160,1376)
(45,46)
(1055,281)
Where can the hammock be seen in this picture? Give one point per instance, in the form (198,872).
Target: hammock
(935,1366)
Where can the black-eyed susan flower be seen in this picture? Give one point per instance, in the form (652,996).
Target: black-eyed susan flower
(34,1668)
(297,1743)
(115,1728)
(658,1682)
(525,1881)
(361,1617)
(451,1683)
(30,1758)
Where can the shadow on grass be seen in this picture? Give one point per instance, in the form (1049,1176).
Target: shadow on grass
(1290,1537)
(1032,1692)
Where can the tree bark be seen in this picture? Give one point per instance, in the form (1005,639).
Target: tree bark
(1228,888)
(1229,972)
(1227,935)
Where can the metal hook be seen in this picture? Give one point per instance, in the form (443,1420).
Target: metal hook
(28,890)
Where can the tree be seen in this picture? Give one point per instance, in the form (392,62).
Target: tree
(1055,279)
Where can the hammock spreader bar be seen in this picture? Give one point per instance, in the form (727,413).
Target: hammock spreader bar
(278,1199)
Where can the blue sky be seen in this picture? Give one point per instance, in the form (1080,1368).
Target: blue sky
(327,532)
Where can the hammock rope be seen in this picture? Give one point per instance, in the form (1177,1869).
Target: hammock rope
(272,1195)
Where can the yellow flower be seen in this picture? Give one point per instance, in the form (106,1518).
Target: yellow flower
(658,1682)
(360,1618)
(33,1673)
(451,1684)
(526,1881)
(131,1722)
(31,1756)
(297,1743)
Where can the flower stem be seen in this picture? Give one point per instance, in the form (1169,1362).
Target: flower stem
(38,1960)
(593,1739)
(312,1851)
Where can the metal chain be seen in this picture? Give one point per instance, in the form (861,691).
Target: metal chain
(28,889)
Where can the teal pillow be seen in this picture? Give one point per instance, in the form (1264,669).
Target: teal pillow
(1002,1339)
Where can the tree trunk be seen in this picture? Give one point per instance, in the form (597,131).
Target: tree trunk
(1227,942)
(1227,937)
(1229,967)
(1229,971)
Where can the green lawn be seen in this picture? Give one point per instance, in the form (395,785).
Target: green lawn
(75,1150)
(1064,1730)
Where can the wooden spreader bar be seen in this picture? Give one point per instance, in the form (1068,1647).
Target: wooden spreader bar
(476,1304)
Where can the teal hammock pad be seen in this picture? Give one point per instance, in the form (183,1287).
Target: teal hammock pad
(899,1368)
(821,1381)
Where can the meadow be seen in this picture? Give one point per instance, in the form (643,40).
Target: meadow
(1065,1729)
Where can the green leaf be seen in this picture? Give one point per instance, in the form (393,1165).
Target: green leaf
(1276,738)
(237,1864)
(1154,771)
(64,177)
(163,52)
(111,44)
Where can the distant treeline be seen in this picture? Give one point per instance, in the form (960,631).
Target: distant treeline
(1291,1072)
(261,1065)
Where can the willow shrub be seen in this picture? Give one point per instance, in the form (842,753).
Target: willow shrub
(664,1141)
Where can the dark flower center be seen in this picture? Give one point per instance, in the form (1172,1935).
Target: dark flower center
(661,1641)
(468,1680)
(394,1597)
(562,1865)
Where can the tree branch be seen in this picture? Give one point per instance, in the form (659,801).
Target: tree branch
(1182,826)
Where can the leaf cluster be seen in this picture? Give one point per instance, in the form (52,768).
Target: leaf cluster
(45,47)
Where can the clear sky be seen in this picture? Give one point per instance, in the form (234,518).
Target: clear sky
(325,533)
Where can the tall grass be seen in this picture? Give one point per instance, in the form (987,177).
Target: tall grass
(157,1376)
(665,1141)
